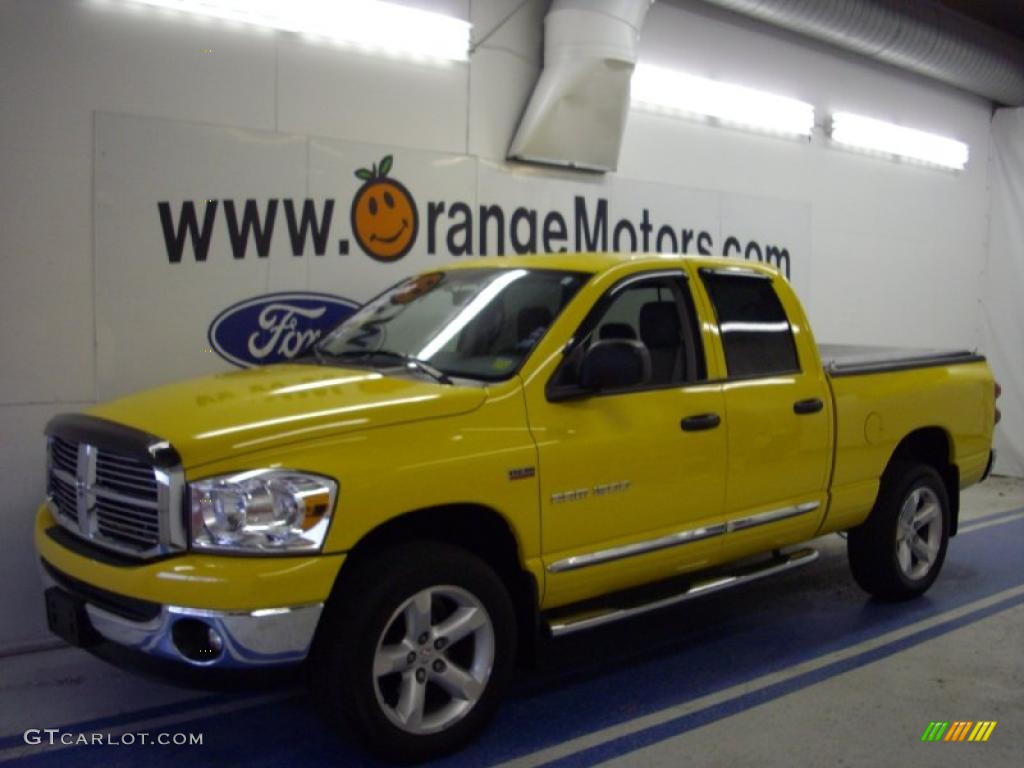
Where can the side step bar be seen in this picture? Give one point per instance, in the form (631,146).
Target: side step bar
(596,617)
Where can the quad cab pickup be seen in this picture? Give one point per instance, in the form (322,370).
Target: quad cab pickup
(491,451)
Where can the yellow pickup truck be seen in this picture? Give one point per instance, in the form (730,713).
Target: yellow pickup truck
(491,451)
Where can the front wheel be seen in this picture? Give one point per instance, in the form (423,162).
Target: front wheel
(897,553)
(419,653)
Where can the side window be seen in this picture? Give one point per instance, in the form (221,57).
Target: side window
(655,314)
(755,331)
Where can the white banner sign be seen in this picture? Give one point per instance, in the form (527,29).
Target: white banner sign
(214,242)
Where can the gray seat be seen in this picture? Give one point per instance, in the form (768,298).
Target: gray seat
(616,331)
(661,333)
(531,323)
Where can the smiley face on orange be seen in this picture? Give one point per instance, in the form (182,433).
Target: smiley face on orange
(384,216)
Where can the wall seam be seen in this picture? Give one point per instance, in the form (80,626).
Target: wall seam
(469,88)
(94,395)
(488,35)
(980,318)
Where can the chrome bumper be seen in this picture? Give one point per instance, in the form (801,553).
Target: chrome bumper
(246,639)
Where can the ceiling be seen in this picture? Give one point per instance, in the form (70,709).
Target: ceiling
(974,45)
(1004,15)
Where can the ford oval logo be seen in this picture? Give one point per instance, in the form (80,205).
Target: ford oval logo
(275,327)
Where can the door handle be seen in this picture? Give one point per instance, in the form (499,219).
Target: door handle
(700,421)
(803,407)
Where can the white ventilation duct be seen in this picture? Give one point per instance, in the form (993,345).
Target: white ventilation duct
(578,109)
(920,35)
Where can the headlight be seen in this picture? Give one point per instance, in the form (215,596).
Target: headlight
(262,510)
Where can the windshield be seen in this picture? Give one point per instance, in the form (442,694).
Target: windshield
(471,323)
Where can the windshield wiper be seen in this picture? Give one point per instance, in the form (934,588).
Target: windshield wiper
(410,361)
(414,362)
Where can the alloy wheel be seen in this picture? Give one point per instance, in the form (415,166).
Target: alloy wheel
(919,533)
(433,659)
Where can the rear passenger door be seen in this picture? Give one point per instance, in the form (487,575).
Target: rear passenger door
(777,410)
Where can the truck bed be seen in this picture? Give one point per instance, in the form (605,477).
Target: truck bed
(851,359)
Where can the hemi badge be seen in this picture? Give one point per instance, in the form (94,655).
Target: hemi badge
(522,473)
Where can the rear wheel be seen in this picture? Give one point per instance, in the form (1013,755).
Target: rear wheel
(898,552)
(419,653)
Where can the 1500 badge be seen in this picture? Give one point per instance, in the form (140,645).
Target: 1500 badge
(579,494)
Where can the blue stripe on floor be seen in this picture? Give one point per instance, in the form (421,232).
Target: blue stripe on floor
(602,678)
(688,722)
(966,525)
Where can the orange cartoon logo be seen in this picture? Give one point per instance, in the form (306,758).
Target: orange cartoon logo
(384,217)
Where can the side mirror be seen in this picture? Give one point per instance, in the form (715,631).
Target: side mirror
(615,364)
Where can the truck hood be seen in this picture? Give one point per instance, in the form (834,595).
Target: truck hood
(209,418)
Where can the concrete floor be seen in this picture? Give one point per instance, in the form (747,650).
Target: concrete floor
(800,669)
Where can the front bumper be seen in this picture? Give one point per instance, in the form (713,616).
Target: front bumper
(204,638)
(203,611)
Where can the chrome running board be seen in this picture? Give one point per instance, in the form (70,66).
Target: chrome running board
(597,616)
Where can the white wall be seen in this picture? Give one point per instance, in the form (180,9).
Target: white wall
(897,249)
(1003,313)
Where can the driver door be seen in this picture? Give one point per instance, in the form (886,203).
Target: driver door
(632,479)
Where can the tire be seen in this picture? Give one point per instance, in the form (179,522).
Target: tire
(897,553)
(416,651)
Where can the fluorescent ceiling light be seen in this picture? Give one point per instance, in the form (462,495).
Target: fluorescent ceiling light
(658,89)
(886,138)
(370,25)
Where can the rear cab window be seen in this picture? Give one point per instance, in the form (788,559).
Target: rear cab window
(756,334)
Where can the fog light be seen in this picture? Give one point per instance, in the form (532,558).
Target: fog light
(215,641)
(197,641)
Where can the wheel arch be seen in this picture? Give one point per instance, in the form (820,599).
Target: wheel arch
(476,528)
(933,446)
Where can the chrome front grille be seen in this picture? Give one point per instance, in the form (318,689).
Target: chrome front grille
(63,469)
(64,454)
(111,499)
(127,500)
(124,475)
